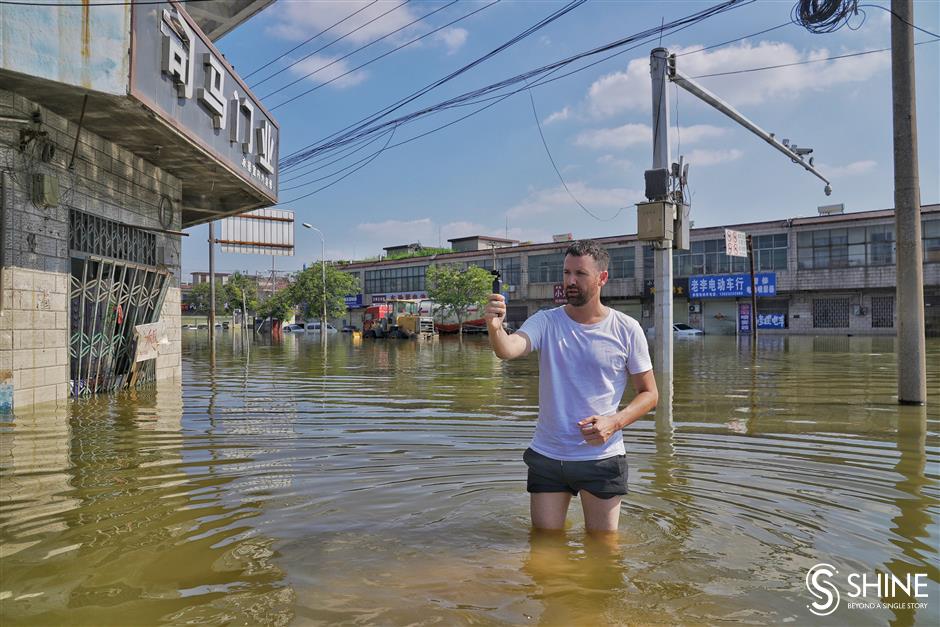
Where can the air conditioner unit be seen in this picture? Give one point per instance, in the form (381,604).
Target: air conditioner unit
(695,308)
(45,190)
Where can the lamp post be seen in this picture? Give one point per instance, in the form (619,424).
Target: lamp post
(307,225)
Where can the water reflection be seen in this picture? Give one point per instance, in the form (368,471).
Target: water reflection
(382,483)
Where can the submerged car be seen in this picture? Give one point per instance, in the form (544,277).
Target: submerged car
(293,328)
(679,329)
(314,327)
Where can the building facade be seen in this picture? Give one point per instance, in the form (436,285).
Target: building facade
(120,126)
(831,274)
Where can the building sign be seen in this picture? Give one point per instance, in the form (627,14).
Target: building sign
(383,298)
(735,243)
(558,294)
(772,321)
(744,318)
(177,72)
(680,287)
(732,285)
(149,339)
(259,232)
(353,301)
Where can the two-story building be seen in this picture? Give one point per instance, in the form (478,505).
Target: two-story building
(828,274)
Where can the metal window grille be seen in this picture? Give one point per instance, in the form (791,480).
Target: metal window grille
(882,312)
(830,313)
(108,299)
(99,236)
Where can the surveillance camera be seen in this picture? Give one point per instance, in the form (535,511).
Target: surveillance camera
(828,190)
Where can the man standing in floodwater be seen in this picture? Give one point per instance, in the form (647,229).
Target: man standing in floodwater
(586,352)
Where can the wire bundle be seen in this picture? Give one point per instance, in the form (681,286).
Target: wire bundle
(824,16)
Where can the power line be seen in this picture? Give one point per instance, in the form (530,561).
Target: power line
(898,17)
(548,152)
(309,39)
(543,73)
(360,48)
(783,65)
(354,132)
(737,39)
(325,46)
(362,124)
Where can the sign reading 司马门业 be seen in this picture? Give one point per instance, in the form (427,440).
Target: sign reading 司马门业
(177,72)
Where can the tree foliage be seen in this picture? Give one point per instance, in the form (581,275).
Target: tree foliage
(456,291)
(307,291)
(238,285)
(198,299)
(279,306)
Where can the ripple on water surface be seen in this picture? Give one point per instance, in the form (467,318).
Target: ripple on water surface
(383,483)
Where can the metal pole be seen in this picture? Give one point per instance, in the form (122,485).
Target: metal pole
(211,285)
(750,257)
(912,364)
(662,256)
(323,272)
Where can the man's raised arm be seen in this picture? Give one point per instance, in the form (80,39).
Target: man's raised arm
(504,345)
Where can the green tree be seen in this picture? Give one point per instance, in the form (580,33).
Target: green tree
(240,287)
(279,306)
(307,291)
(198,298)
(456,291)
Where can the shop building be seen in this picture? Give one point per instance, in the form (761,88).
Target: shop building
(120,126)
(831,274)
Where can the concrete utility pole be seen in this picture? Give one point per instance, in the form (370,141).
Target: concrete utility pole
(662,252)
(212,284)
(912,354)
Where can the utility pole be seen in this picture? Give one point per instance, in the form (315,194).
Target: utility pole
(912,359)
(662,251)
(750,256)
(212,284)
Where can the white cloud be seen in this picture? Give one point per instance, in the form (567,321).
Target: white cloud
(615,162)
(629,90)
(633,134)
(555,202)
(452,38)
(323,69)
(619,137)
(855,168)
(703,158)
(558,116)
(298,20)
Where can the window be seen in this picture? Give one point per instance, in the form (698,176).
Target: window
(622,262)
(546,268)
(770,252)
(930,231)
(409,279)
(846,248)
(882,312)
(830,313)
(708,257)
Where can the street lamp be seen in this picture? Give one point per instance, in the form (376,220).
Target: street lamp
(307,225)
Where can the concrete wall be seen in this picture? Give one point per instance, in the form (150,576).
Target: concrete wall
(82,46)
(107,181)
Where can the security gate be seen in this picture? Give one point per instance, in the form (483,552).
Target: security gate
(109,297)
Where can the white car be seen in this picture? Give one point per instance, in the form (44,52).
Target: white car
(679,329)
(314,327)
(293,328)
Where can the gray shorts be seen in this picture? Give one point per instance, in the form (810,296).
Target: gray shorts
(604,478)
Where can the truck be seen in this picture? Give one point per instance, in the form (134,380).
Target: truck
(399,318)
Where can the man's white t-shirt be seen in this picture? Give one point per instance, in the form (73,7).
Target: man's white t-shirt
(583,370)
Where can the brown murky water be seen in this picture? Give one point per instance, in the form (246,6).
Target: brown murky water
(383,484)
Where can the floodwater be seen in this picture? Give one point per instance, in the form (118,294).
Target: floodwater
(382,483)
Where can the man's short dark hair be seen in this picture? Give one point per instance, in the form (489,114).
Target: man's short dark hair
(590,248)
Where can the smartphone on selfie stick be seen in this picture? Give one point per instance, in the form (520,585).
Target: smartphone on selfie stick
(496,282)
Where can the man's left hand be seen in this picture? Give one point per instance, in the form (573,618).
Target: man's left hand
(598,429)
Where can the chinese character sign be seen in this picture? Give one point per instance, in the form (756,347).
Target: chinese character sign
(732,285)
(771,321)
(744,318)
(735,243)
(559,294)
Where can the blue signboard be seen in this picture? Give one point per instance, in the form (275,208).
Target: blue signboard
(353,301)
(732,285)
(772,321)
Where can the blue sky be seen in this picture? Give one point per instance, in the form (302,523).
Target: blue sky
(490,173)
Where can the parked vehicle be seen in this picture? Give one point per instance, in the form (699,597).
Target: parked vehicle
(293,328)
(314,327)
(679,329)
(349,328)
(398,319)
